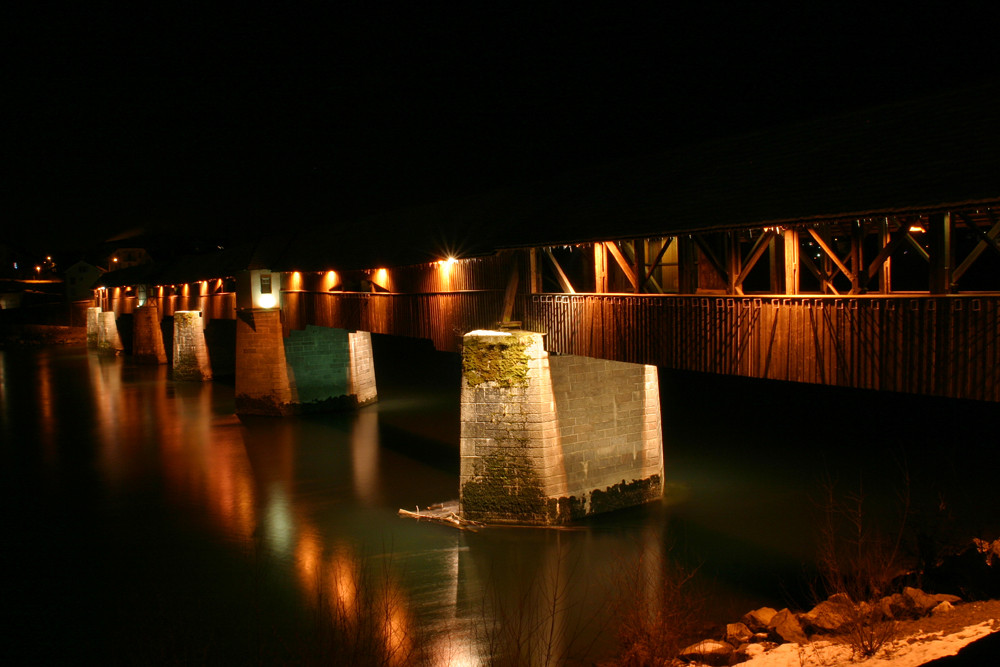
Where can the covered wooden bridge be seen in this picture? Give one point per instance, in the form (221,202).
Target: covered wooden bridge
(861,251)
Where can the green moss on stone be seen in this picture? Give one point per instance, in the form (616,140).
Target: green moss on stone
(505,489)
(504,364)
(626,494)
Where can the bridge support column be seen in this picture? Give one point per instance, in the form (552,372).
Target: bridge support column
(147,337)
(190,350)
(546,440)
(93,326)
(314,370)
(108,340)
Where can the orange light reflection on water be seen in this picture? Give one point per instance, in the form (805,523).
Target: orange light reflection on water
(200,454)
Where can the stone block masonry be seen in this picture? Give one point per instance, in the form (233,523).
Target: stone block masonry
(108,340)
(190,350)
(315,369)
(147,337)
(546,440)
(362,368)
(93,315)
(262,385)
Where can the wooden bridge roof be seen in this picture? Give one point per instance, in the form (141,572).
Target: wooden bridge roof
(932,154)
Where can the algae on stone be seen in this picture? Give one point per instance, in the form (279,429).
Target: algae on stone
(504,364)
(506,488)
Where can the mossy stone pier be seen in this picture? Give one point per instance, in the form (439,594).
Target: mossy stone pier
(546,440)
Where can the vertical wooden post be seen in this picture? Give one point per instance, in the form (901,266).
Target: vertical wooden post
(942,256)
(791,256)
(511,292)
(857,258)
(734,261)
(600,268)
(885,272)
(776,265)
(639,263)
(535,271)
(687,264)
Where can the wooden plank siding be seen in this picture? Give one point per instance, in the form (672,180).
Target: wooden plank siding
(942,346)
(935,345)
(443,318)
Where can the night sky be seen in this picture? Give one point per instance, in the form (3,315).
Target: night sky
(223,121)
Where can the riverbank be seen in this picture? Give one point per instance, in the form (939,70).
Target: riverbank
(14,335)
(921,641)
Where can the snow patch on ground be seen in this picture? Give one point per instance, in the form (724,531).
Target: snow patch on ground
(910,651)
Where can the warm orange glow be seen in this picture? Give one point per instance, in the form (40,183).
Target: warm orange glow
(114,259)
(330,280)
(344,584)
(308,551)
(917,229)
(381,278)
(446,264)
(203,288)
(185,290)
(295,282)
(38,269)
(219,285)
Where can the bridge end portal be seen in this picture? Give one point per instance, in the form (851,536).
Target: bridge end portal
(547,440)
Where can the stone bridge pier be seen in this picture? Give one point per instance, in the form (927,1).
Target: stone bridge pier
(313,370)
(550,439)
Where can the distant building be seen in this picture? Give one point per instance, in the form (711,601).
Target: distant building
(80,281)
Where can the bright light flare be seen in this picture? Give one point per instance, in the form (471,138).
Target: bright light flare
(267,301)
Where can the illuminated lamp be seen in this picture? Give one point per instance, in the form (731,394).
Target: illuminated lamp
(257,289)
(266,298)
(917,229)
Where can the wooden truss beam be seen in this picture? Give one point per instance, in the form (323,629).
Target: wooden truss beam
(756,252)
(564,283)
(656,262)
(825,281)
(635,253)
(896,239)
(825,247)
(921,251)
(986,240)
(712,259)
(623,264)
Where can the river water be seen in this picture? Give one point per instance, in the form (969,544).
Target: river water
(145,523)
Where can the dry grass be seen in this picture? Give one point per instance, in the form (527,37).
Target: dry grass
(859,559)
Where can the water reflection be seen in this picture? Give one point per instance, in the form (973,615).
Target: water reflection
(151,519)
